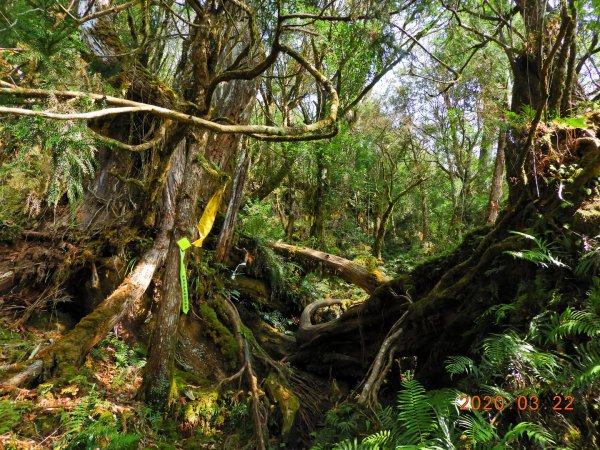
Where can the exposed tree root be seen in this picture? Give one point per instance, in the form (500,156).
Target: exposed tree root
(307,329)
(259,413)
(72,348)
(381,364)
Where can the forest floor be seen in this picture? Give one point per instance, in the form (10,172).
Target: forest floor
(95,404)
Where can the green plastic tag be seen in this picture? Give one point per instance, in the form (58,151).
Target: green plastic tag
(183,245)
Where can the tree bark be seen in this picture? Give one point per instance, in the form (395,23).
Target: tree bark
(237,191)
(497,181)
(235,102)
(539,80)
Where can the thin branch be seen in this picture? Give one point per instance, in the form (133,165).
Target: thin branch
(160,135)
(129,106)
(105,12)
(502,19)
(509,49)
(416,41)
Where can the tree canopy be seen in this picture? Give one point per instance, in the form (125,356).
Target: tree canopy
(300,224)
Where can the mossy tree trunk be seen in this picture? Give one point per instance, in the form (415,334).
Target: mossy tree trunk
(543,82)
(235,102)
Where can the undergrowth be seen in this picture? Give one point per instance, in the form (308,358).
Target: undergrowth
(541,388)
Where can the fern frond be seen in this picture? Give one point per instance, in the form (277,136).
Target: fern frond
(540,255)
(350,445)
(477,428)
(415,413)
(379,439)
(456,365)
(534,432)
(511,350)
(575,322)
(589,263)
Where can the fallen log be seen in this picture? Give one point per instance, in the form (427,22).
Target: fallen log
(352,272)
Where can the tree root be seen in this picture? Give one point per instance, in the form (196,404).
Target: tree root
(381,364)
(307,329)
(259,412)
(25,376)
(72,348)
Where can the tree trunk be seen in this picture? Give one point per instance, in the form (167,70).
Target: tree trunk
(235,102)
(380,232)
(237,191)
(539,81)
(159,370)
(385,217)
(317,229)
(497,181)
(424,215)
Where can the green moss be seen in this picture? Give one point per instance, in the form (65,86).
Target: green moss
(220,334)
(288,403)
(428,272)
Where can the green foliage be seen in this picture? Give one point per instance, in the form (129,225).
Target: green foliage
(456,365)
(90,425)
(10,415)
(540,255)
(589,263)
(508,365)
(259,222)
(415,414)
(277,320)
(72,151)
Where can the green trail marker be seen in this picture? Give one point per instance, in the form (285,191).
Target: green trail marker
(183,244)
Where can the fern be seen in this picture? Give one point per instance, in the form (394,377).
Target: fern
(534,432)
(509,350)
(540,255)
(415,413)
(589,263)
(497,312)
(477,429)
(379,439)
(350,445)
(75,421)
(576,322)
(456,365)
(587,363)
(585,322)
(9,416)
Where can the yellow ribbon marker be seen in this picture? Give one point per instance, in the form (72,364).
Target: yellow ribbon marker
(204,226)
(208,217)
